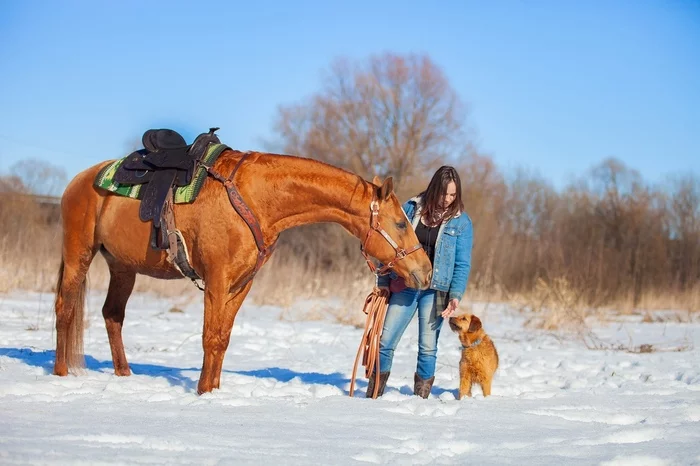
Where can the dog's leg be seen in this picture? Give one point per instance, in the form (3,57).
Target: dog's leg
(465,385)
(486,387)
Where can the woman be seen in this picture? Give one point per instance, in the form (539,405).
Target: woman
(445,232)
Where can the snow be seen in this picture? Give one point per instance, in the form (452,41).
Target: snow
(284,394)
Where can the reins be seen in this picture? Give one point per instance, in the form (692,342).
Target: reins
(377,301)
(375,307)
(376,304)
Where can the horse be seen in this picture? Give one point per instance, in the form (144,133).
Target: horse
(280,191)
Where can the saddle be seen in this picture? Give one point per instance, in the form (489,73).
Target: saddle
(165,162)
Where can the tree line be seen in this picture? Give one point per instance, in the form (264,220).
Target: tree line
(612,238)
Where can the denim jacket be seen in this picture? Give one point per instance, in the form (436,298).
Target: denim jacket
(453,251)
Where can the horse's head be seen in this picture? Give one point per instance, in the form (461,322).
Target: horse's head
(392,240)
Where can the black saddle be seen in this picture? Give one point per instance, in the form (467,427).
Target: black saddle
(162,139)
(166,162)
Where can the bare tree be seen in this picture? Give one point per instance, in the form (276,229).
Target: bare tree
(40,177)
(388,115)
(607,239)
(12,184)
(684,228)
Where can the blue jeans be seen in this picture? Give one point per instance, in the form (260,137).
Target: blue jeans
(402,308)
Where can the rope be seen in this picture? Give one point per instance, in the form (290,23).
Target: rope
(375,307)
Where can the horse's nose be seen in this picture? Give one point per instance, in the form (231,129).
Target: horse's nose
(429,277)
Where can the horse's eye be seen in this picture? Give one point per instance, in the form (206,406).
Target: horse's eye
(401,225)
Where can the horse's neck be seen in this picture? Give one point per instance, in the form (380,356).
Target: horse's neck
(304,191)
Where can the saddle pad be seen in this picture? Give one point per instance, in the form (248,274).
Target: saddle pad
(182,194)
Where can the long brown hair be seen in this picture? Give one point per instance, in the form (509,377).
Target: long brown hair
(436,189)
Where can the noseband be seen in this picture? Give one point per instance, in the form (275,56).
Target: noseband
(375,226)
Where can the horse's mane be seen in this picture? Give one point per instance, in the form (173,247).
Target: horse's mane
(366,185)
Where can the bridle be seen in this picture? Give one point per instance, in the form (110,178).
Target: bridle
(376,303)
(375,226)
(264,252)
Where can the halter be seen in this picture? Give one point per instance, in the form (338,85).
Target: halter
(376,303)
(375,226)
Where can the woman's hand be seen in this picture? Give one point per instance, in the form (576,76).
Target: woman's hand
(451,308)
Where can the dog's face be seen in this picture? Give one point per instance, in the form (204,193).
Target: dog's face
(467,326)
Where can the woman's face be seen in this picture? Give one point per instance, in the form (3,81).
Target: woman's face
(449,197)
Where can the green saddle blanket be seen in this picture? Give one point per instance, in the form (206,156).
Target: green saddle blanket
(181,195)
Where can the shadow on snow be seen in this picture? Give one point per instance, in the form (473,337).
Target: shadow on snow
(176,375)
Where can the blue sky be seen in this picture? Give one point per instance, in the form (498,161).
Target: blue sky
(553,86)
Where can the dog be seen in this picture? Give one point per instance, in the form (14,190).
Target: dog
(479,356)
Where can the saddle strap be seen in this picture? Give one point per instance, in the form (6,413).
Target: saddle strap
(242,208)
(154,196)
(376,305)
(248,216)
(177,248)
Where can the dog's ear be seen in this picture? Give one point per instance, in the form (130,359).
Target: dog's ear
(474,324)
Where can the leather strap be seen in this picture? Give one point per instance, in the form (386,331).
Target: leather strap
(248,216)
(374,225)
(375,307)
(177,249)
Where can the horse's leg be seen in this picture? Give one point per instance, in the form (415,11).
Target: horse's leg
(121,283)
(220,309)
(70,301)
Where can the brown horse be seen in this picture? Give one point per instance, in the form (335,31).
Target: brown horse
(282,191)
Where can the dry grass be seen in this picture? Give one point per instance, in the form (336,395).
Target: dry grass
(593,342)
(688,300)
(337,286)
(315,262)
(556,305)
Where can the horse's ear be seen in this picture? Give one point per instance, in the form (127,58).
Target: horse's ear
(376,181)
(386,189)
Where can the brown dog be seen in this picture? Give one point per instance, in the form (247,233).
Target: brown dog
(479,356)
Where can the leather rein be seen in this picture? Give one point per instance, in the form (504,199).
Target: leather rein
(376,303)
(265,251)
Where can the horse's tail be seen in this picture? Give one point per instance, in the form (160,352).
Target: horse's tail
(74,339)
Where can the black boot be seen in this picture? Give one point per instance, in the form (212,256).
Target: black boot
(383,377)
(422,387)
